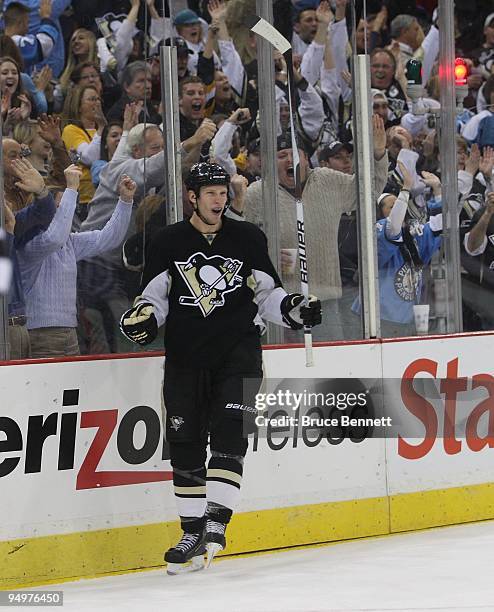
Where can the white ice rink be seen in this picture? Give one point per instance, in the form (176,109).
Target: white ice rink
(442,569)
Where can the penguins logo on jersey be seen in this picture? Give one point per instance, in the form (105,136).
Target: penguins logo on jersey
(406,282)
(209,279)
(176,422)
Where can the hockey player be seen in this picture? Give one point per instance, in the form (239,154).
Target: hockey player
(209,278)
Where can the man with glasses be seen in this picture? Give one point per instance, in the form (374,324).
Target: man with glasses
(383,77)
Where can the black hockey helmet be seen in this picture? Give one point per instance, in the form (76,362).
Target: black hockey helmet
(203,174)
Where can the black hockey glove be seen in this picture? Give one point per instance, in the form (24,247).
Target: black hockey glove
(297,316)
(139,323)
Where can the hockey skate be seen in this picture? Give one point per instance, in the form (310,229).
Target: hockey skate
(214,538)
(187,555)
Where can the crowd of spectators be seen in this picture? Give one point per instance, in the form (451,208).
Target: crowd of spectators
(83,154)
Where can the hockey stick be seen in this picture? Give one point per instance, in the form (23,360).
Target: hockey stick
(264,29)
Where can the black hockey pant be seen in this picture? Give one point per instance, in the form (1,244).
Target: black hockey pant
(217,403)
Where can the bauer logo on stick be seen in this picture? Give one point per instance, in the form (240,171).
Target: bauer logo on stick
(208,279)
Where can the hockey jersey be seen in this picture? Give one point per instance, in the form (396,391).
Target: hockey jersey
(37,47)
(210,289)
(480,267)
(400,282)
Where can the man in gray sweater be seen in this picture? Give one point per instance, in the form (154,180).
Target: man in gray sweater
(327,194)
(103,284)
(101,280)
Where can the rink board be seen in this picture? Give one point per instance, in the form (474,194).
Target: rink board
(450,482)
(85,477)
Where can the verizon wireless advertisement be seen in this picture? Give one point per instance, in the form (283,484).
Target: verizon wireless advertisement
(82,445)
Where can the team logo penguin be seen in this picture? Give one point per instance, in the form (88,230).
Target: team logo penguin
(176,422)
(407,282)
(209,279)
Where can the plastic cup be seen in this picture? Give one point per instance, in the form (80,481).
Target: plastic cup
(289,261)
(421,314)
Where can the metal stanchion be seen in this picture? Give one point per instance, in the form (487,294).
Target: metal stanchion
(366,213)
(364,172)
(171,132)
(268,130)
(4,321)
(449,172)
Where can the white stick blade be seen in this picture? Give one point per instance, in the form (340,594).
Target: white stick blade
(5,274)
(271,34)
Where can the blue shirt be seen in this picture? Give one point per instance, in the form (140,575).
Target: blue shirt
(29,221)
(48,262)
(400,282)
(38,97)
(96,168)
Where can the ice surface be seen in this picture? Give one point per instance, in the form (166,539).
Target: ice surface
(445,569)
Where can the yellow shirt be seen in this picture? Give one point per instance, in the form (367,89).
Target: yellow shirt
(241,161)
(73,136)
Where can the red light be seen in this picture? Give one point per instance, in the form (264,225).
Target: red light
(461,71)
